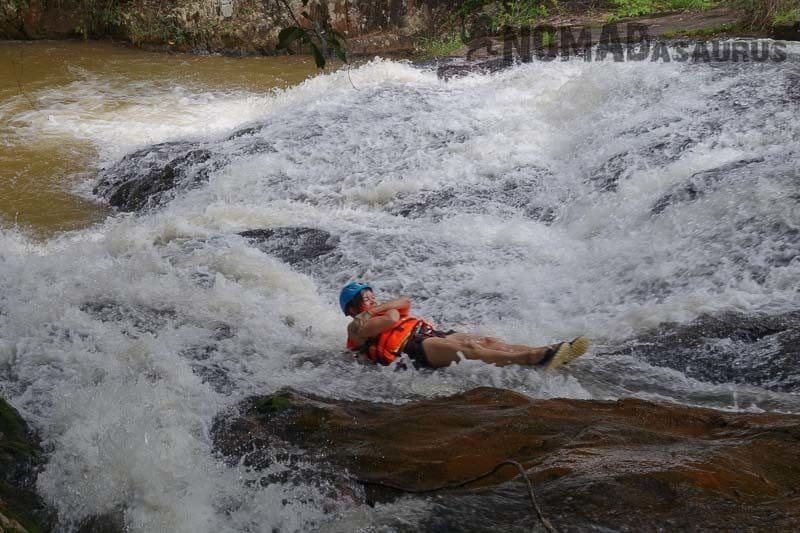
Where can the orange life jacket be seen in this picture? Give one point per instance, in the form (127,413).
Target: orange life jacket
(387,346)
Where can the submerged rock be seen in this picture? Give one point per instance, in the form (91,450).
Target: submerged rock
(148,177)
(701,183)
(457,69)
(113,522)
(520,193)
(293,245)
(21,509)
(619,167)
(624,465)
(728,348)
(142,320)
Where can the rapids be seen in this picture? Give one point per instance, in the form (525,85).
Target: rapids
(535,203)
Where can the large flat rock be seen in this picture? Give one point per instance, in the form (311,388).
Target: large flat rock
(607,465)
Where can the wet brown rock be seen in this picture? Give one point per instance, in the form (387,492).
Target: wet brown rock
(624,465)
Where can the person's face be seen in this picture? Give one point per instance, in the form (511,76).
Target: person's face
(369,300)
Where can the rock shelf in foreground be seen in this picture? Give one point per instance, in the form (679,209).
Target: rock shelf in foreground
(623,465)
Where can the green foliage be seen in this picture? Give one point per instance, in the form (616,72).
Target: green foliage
(439,46)
(468,7)
(520,13)
(147,22)
(699,5)
(786,17)
(764,14)
(111,16)
(161,28)
(637,8)
(318,38)
(273,404)
(489,17)
(81,31)
(549,38)
(633,8)
(99,17)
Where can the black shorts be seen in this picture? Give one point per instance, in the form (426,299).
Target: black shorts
(414,349)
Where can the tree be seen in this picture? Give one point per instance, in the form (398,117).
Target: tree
(320,38)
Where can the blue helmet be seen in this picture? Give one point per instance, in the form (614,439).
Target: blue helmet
(350,291)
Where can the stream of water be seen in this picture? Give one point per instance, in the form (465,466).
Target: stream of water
(537,203)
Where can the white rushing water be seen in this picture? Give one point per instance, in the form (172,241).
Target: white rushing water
(482,198)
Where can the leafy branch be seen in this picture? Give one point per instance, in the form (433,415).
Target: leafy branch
(465,11)
(320,39)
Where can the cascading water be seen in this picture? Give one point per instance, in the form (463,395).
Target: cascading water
(537,203)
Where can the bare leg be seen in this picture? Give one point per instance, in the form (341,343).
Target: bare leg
(496,344)
(441,352)
(492,343)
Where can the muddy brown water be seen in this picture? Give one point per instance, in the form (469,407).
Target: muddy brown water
(46,174)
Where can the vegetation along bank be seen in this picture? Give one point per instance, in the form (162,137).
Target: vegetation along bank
(405,27)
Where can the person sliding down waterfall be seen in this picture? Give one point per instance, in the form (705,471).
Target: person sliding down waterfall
(384,331)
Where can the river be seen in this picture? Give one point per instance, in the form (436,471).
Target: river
(536,203)
(66,106)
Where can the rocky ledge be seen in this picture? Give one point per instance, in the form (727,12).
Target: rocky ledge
(625,465)
(21,510)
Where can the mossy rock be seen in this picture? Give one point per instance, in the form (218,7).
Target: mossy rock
(305,418)
(16,444)
(273,404)
(21,509)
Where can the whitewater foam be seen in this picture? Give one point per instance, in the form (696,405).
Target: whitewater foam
(518,204)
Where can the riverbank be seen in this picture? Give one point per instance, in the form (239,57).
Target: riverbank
(405,28)
(580,33)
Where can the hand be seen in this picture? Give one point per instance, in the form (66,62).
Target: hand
(394,314)
(397,303)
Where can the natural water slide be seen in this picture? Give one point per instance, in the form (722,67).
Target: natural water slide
(217,209)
